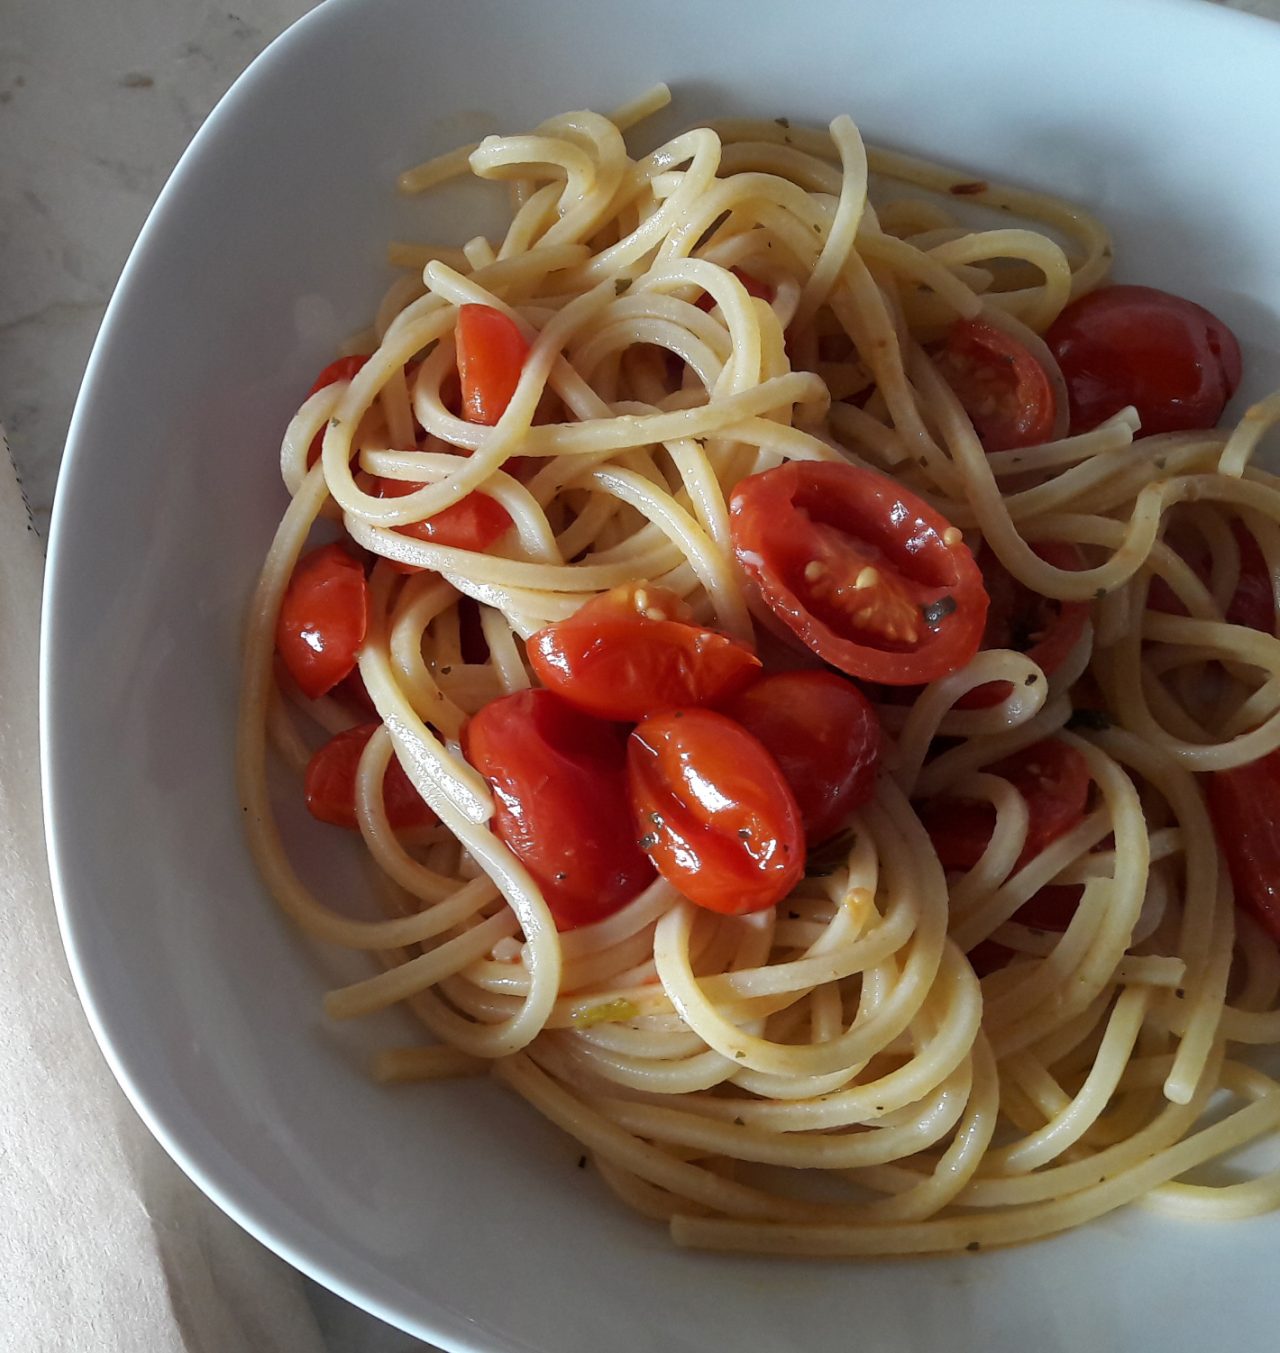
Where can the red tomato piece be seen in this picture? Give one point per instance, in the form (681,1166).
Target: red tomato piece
(633,651)
(341,370)
(473,523)
(1045,629)
(823,733)
(322,619)
(1243,804)
(861,570)
(1052,776)
(1173,360)
(1004,389)
(559,779)
(330,784)
(718,818)
(1253,604)
(491,356)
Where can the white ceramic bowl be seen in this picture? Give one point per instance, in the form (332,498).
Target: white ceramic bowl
(453,1210)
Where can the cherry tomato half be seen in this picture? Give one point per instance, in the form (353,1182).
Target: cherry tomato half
(1173,360)
(330,784)
(860,569)
(823,733)
(473,523)
(322,619)
(633,651)
(491,355)
(1243,804)
(1004,389)
(341,370)
(1052,776)
(559,778)
(1045,629)
(1252,604)
(716,815)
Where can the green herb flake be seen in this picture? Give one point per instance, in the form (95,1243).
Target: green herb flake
(607,1012)
(936,611)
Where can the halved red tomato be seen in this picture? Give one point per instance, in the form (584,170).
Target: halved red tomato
(330,784)
(1253,604)
(322,619)
(868,575)
(1174,361)
(634,650)
(341,370)
(473,523)
(491,356)
(1043,628)
(715,812)
(823,733)
(1004,389)
(559,779)
(1243,804)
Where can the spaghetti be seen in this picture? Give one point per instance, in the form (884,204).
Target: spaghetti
(961,1069)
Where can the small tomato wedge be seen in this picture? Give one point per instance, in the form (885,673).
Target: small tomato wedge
(341,370)
(633,651)
(1243,804)
(322,619)
(823,733)
(861,570)
(1052,776)
(473,523)
(714,811)
(1004,389)
(330,784)
(1045,629)
(491,355)
(1173,360)
(559,779)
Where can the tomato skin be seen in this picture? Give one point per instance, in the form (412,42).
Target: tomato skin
(1173,360)
(1253,604)
(823,733)
(330,784)
(616,659)
(1004,389)
(322,619)
(717,816)
(1243,804)
(1018,618)
(491,355)
(472,523)
(559,781)
(1052,776)
(810,535)
(341,370)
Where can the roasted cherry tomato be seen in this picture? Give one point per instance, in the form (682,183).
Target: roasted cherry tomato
(1051,776)
(861,569)
(322,619)
(714,811)
(1044,629)
(491,355)
(823,733)
(633,651)
(1252,604)
(1173,360)
(330,784)
(559,780)
(473,523)
(1004,389)
(341,370)
(1243,804)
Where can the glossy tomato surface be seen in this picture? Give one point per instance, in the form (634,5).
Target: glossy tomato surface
(472,523)
(322,619)
(633,651)
(1004,389)
(1245,806)
(867,574)
(559,779)
(491,354)
(1173,360)
(330,784)
(823,733)
(718,817)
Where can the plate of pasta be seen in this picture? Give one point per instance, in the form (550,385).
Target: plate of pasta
(661,683)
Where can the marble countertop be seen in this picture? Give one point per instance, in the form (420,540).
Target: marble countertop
(97,102)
